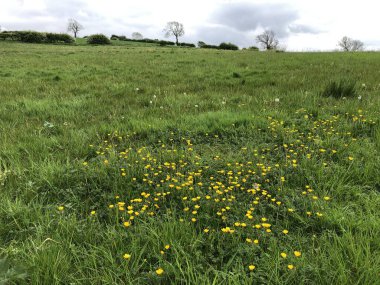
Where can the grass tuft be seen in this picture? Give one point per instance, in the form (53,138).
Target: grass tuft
(341,89)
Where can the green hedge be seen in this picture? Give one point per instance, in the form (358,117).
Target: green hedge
(59,38)
(209,46)
(8,36)
(152,41)
(228,46)
(32,37)
(36,37)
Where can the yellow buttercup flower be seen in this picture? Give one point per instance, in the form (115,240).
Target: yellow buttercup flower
(251,267)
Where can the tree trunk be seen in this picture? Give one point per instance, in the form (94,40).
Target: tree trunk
(176,40)
(75,34)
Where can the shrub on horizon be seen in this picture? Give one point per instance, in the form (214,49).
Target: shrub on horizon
(98,39)
(253,48)
(228,46)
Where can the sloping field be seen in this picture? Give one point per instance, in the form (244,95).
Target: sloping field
(148,165)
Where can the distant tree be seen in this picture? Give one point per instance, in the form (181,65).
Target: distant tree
(268,40)
(201,44)
(174,29)
(137,36)
(228,46)
(74,26)
(345,43)
(348,44)
(357,45)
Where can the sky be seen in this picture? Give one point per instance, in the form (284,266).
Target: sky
(300,25)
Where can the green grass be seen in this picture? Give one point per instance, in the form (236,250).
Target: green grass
(90,128)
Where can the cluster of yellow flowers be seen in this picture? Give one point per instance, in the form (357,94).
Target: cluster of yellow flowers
(216,195)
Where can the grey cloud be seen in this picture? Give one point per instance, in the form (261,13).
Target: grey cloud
(52,18)
(249,17)
(216,34)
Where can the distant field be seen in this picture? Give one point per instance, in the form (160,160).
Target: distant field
(147,165)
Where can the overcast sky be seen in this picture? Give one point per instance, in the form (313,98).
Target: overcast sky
(300,24)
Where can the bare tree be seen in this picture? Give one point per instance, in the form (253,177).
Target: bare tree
(357,45)
(348,44)
(74,26)
(345,43)
(174,29)
(268,40)
(137,36)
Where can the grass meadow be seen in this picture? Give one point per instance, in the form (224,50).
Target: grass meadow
(138,164)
